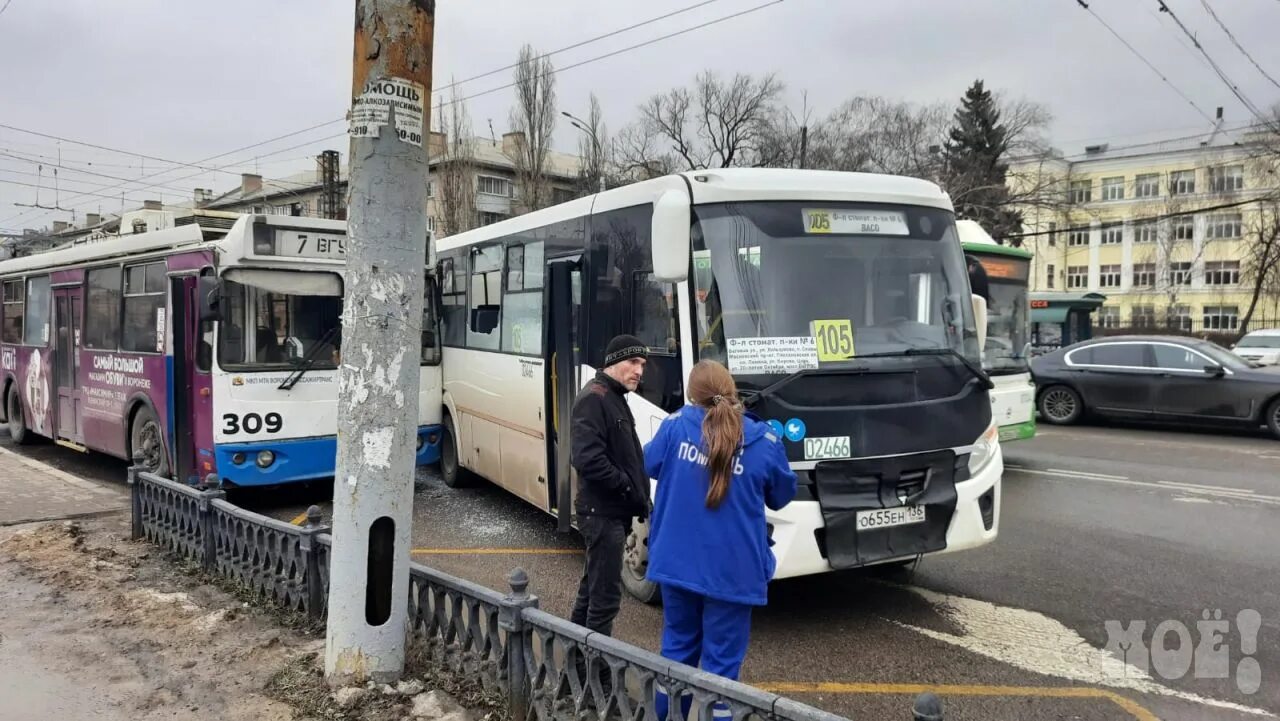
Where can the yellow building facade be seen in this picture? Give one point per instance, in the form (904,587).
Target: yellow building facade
(1162,229)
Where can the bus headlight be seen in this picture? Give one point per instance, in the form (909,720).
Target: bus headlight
(265,459)
(238,459)
(984,449)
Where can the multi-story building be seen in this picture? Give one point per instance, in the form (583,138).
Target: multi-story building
(322,192)
(1164,229)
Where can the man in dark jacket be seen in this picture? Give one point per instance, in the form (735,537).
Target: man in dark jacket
(612,485)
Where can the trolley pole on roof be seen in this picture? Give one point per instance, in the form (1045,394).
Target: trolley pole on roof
(378,374)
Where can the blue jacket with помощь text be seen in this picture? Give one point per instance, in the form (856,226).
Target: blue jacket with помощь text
(722,552)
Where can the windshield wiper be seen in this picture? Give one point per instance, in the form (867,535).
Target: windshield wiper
(751,397)
(973,368)
(308,361)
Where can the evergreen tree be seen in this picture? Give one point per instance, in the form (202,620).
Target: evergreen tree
(975,169)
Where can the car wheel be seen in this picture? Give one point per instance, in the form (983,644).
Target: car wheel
(451,470)
(1061,405)
(1273,418)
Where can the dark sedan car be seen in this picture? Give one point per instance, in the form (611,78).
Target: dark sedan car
(1155,378)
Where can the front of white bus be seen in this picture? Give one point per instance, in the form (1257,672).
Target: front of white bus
(841,304)
(279,287)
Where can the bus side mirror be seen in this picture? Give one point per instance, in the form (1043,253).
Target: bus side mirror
(209,294)
(980,319)
(670,233)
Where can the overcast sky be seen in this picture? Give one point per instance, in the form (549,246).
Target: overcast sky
(188,79)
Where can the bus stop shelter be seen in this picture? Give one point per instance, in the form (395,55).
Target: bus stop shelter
(1060,319)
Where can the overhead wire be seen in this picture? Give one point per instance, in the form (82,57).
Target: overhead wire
(1236,42)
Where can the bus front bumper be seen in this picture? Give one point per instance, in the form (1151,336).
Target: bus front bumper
(976,522)
(298,460)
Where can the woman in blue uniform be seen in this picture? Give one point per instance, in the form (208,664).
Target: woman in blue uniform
(716,471)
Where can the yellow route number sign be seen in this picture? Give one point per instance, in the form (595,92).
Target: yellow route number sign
(834,339)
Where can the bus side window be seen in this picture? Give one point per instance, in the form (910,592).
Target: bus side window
(453,299)
(485,298)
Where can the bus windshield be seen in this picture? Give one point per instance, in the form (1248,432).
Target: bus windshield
(833,280)
(276,318)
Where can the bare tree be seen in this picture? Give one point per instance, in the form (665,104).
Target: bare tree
(534,118)
(593,148)
(1261,267)
(716,124)
(639,153)
(455,176)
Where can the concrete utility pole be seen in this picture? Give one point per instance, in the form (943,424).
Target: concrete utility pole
(382,314)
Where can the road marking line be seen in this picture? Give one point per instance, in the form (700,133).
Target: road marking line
(1107,476)
(300,519)
(1207,488)
(496,551)
(1269,500)
(1132,707)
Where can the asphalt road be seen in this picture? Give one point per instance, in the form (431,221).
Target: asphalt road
(1098,524)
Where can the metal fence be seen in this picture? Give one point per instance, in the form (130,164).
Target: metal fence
(546,668)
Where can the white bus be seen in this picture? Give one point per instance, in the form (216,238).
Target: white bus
(839,301)
(210,350)
(1006,356)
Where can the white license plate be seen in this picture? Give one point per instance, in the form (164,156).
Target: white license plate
(818,449)
(889,517)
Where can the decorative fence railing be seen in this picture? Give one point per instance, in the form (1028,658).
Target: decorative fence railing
(547,668)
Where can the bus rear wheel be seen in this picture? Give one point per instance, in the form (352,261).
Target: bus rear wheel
(146,440)
(18,432)
(451,470)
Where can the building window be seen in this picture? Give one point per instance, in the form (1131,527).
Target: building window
(1048,276)
(1221,317)
(487,218)
(1143,316)
(1180,318)
(1053,234)
(1223,226)
(1081,191)
(1222,272)
(431,189)
(1146,185)
(1144,275)
(35,325)
(1184,228)
(1077,276)
(1078,237)
(1113,188)
(489,185)
(562,195)
(14,303)
(1109,276)
(102,309)
(1179,273)
(144,308)
(1182,182)
(1109,317)
(1112,234)
(1226,179)
(1144,232)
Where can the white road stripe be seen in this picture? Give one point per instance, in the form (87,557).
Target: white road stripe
(1269,500)
(1207,488)
(1107,476)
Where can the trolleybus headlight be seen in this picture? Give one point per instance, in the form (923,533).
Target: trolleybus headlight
(238,459)
(984,449)
(265,459)
(421,442)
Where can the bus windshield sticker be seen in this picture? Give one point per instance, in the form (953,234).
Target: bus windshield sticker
(855,222)
(772,355)
(160,329)
(834,339)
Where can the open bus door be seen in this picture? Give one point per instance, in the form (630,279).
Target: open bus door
(563,274)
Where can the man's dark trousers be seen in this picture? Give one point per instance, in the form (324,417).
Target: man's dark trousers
(600,592)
